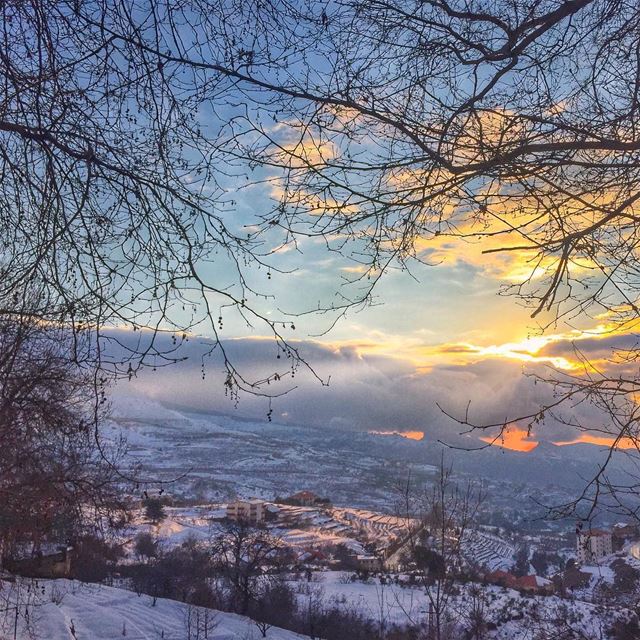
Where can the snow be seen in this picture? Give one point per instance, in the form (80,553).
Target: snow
(511,611)
(601,571)
(179,525)
(98,612)
(488,550)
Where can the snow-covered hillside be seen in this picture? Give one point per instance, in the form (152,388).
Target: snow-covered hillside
(509,615)
(488,551)
(70,610)
(215,457)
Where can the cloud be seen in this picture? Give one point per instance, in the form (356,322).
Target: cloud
(366,391)
(592,346)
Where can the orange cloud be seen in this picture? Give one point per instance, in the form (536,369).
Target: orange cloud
(514,439)
(555,350)
(586,438)
(411,435)
(527,350)
(517,439)
(469,243)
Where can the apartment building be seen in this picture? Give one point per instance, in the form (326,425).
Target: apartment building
(592,545)
(252,511)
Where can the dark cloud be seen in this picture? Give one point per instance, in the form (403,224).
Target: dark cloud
(595,347)
(365,392)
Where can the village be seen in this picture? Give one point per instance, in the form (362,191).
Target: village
(319,536)
(344,557)
(368,542)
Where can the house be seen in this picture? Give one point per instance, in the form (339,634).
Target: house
(531,583)
(502,578)
(592,545)
(54,562)
(535,584)
(368,563)
(253,511)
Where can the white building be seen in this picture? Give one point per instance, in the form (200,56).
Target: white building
(368,563)
(592,545)
(253,511)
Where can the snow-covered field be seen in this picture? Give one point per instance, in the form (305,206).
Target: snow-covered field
(215,457)
(488,551)
(302,528)
(179,525)
(70,610)
(511,615)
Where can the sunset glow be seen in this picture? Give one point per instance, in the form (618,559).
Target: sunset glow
(410,435)
(514,439)
(557,350)
(585,438)
(517,439)
(320,319)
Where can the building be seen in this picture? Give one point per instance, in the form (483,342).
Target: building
(51,562)
(533,583)
(252,511)
(592,545)
(502,578)
(368,563)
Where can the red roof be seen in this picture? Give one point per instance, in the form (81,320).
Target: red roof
(502,577)
(532,582)
(528,582)
(500,574)
(509,580)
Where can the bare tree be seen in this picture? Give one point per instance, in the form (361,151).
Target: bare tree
(58,479)
(20,602)
(274,604)
(508,127)
(199,623)
(446,511)
(115,198)
(243,556)
(477,613)
(313,612)
(387,130)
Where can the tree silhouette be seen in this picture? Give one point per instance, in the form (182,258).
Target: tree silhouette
(58,478)
(154,510)
(387,130)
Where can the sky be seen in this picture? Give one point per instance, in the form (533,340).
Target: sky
(440,335)
(436,340)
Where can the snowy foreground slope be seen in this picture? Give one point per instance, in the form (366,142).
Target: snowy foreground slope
(71,610)
(509,614)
